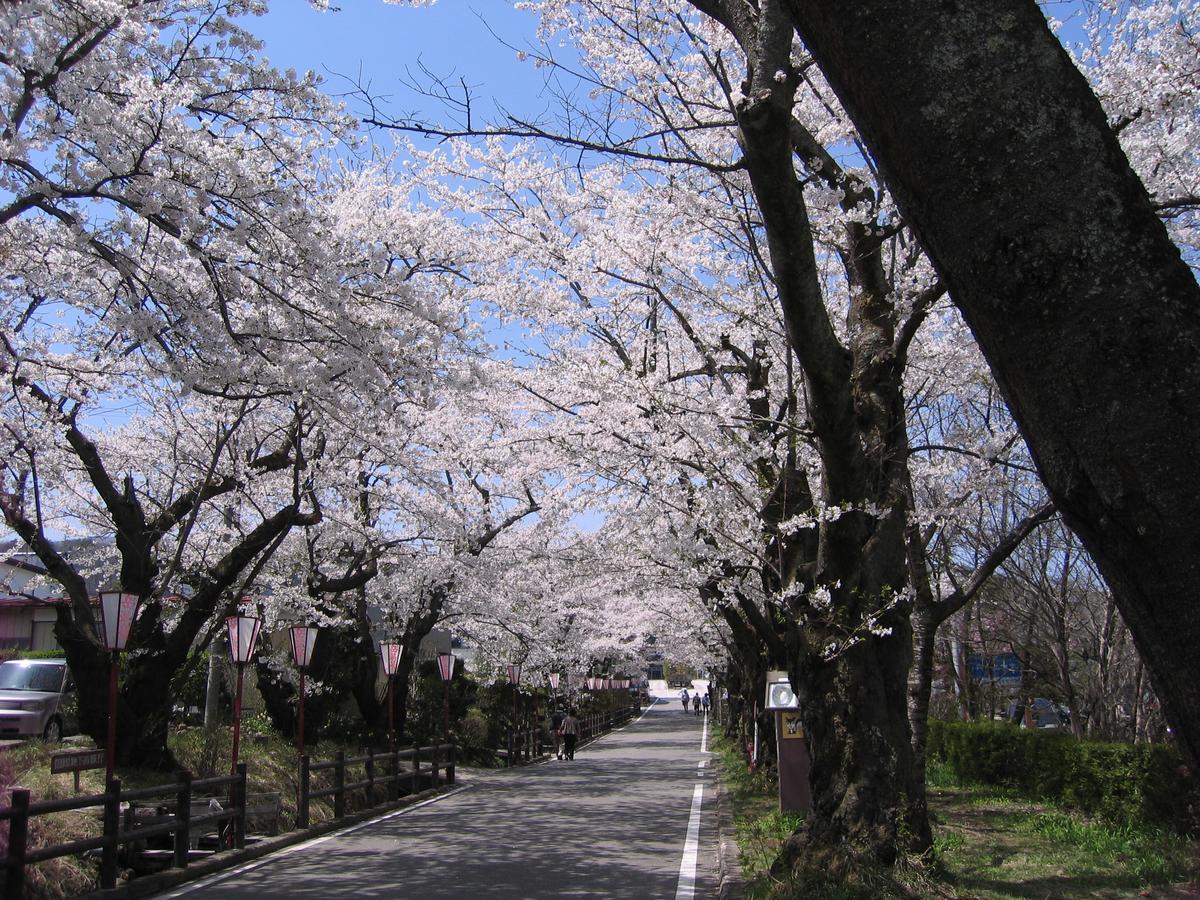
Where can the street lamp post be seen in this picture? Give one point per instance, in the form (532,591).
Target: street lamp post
(304,638)
(118,609)
(514,678)
(554,679)
(243,636)
(445,663)
(389,653)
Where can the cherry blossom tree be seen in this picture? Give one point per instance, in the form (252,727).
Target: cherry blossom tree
(727,346)
(187,313)
(1020,184)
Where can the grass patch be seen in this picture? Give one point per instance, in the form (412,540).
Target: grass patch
(759,826)
(1149,855)
(989,842)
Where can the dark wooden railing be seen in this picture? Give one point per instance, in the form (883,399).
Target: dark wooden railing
(373,776)
(109,843)
(381,774)
(526,744)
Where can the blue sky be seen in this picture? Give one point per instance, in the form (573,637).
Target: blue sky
(377,44)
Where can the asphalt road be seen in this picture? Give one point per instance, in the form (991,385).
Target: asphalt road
(631,817)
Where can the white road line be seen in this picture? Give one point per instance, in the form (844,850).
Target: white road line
(643,715)
(691,849)
(691,844)
(296,848)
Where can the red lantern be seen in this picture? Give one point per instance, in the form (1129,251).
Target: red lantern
(243,636)
(118,609)
(304,639)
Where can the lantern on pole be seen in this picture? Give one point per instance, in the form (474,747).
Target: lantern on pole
(118,609)
(514,678)
(554,679)
(445,663)
(243,636)
(389,654)
(304,639)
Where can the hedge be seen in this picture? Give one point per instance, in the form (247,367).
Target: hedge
(1147,783)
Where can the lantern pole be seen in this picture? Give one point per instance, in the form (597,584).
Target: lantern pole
(114,664)
(304,638)
(243,635)
(446,670)
(118,609)
(389,654)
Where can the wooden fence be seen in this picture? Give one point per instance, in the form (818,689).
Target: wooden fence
(383,776)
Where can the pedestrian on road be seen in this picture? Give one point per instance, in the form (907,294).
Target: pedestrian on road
(696,703)
(570,733)
(683,695)
(705,702)
(556,721)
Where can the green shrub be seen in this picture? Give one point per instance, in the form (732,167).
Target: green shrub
(204,752)
(1144,783)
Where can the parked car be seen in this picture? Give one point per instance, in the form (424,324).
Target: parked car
(1046,713)
(37,699)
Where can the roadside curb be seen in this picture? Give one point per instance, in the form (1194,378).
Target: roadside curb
(729,867)
(145,885)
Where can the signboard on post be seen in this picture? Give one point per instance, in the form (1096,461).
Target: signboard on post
(790,743)
(792,729)
(76,761)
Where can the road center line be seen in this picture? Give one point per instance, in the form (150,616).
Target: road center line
(691,849)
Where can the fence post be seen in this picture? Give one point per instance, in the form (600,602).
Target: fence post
(239,820)
(302,804)
(112,835)
(416,770)
(370,776)
(437,764)
(18,834)
(450,765)
(183,820)
(339,785)
(394,781)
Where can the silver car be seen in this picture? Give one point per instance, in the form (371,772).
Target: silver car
(37,699)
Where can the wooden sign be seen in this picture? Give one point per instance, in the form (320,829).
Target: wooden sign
(75,761)
(790,727)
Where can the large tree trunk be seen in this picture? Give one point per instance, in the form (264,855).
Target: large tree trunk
(866,791)
(1001,157)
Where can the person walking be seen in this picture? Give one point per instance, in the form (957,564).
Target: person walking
(570,734)
(556,721)
(705,702)
(696,703)
(685,697)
